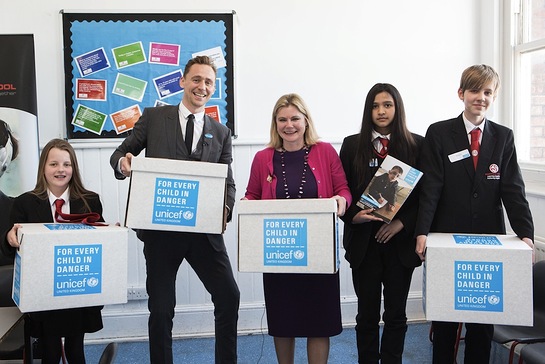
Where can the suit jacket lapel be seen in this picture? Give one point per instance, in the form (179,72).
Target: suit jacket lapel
(77,207)
(461,142)
(488,143)
(208,138)
(172,129)
(43,209)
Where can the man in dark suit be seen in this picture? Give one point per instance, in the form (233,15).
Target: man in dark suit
(161,132)
(458,197)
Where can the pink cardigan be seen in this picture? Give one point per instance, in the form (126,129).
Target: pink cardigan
(323,162)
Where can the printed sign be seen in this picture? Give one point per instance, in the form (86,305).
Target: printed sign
(216,54)
(214,112)
(69,227)
(89,119)
(92,62)
(476,240)
(285,242)
(129,87)
(129,55)
(169,84)
(163,53)
(478,286)
(175,202)
(17,280)
(217,91)
(87,89)
(78,269)
(125,119)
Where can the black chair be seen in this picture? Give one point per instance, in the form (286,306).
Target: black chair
(516,335)
(6,282)
(13,342)
(109,353)
(533,353)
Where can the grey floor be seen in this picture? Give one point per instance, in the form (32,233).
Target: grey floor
(259,349)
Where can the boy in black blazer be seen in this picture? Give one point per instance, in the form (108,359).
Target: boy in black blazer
(459,197)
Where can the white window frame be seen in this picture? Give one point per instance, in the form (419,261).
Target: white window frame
(511,90)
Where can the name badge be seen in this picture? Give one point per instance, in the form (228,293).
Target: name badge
(458,156)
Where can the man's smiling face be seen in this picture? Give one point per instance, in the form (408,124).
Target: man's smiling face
(199,84)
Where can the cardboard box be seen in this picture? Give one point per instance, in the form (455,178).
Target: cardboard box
(175,195)
(288,236)
(70,265)
(478,278)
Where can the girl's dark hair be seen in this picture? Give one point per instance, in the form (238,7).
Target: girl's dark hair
(401,140)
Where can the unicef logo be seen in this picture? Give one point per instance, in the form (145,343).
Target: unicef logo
(494,300)
(299,254)
(92,282)
(188,215)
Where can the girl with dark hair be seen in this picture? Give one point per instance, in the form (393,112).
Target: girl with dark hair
(58,178)
(382,256)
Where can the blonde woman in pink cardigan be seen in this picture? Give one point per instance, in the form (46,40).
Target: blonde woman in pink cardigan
(296,165)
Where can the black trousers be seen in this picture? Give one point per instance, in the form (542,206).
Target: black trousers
(477,341)
(380,268)
(164,252)
(73,348)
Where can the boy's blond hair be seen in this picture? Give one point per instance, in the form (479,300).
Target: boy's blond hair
(476,76)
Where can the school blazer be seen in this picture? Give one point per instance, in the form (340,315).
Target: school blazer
(356,237)
(156,131)
(457,198)
(29,208)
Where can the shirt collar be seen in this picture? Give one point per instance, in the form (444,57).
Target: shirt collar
(65,196)
(470,126)
(184,111)
(375,135)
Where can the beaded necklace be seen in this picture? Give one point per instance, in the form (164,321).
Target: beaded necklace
(303,176)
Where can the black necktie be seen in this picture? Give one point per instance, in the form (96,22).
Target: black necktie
(189,133)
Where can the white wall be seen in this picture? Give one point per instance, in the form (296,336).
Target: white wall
(329,52)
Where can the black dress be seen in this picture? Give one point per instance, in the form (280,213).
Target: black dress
(300,305)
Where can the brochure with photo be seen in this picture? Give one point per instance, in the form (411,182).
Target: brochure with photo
(389,189)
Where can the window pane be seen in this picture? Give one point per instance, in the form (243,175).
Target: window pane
(537,23)
(531,123)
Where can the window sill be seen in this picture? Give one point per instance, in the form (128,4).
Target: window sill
(534,181)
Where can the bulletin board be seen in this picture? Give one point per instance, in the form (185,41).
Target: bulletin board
(116,65)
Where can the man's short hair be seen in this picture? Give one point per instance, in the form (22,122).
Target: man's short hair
(204,60)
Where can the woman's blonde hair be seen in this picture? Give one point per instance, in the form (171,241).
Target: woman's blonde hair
(310,137)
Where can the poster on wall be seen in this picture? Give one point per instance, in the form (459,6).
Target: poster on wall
(116,65)
(19,149)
